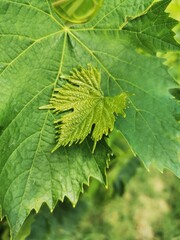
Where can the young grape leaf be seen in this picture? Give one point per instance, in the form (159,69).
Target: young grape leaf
(36,48)
(90,108)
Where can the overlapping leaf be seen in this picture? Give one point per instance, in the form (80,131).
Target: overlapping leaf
(36,48)
(147,32)
(87,109)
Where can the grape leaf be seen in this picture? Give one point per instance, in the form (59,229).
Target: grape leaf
(36,48)
(147,32)
(90,108)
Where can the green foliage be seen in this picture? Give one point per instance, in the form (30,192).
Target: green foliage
(90,108)
(147,32)
(36,48)
(149,209)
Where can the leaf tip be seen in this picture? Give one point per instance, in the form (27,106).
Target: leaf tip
(45,107)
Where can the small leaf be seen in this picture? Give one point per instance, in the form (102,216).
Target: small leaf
(88,109)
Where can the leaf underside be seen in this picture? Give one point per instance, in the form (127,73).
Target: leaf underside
(87,107)
(37,47)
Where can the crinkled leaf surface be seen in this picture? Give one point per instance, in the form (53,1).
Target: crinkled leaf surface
(35,48)
(86,108)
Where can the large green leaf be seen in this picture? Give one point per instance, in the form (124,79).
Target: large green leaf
(36,47)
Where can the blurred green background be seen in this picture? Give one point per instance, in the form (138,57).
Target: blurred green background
(138,205)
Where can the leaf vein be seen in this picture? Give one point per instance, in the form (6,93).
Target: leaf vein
(37,9)
(27,49)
